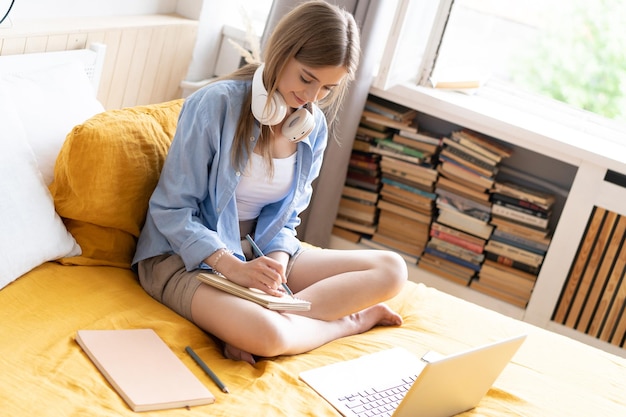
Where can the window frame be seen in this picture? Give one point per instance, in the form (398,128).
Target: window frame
(603,132)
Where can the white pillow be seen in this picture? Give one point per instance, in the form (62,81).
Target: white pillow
(50,102)
(31,232)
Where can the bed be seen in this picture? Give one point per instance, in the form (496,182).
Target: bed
(68,226)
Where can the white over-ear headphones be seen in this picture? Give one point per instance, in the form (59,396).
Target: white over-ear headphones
(297,126)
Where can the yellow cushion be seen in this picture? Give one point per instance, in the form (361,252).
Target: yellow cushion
(104,176)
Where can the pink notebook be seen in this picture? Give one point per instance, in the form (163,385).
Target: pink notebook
(143,369)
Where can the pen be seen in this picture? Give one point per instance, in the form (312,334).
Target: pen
(257,252)
(206,369)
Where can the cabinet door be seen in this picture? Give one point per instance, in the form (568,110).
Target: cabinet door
(589,290)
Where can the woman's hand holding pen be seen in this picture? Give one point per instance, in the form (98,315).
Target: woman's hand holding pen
(266,274)
(263,273)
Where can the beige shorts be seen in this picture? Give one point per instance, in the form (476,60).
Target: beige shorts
(166,279)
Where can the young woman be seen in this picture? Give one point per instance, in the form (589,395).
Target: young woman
(246,150)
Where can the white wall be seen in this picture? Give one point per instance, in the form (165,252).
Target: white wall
(214,15)
(39,9)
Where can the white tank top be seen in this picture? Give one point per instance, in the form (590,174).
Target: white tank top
(256,189)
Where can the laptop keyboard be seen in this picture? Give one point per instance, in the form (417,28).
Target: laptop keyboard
(379,401)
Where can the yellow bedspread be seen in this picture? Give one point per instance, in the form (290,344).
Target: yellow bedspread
(43,371)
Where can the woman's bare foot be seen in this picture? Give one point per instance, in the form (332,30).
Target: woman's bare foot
(236,354)
(376,315)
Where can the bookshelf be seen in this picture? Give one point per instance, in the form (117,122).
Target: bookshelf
(446,199)
(583,180)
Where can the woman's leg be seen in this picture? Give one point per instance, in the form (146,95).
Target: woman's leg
(346,289)
(247,327)
(342,282)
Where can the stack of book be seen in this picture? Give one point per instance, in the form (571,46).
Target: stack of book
(357,213)
(471,159)
(405,205)
(380,112)
(516,249)
(406,197)
(468,164)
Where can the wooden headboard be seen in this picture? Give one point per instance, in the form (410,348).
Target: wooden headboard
(147,56)
(92,59)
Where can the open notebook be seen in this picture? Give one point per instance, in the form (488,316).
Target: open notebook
(143,369)
(285,303)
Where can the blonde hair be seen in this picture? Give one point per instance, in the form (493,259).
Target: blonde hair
(316,34)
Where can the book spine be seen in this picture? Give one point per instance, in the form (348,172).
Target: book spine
(511,262)
(455,250)
(353,182)
(395,154)
(364,165)
(405,187)
(519,203)
(515,240)
(422,137)
(424,169)
(519,216)
(444,203)
(359,194)
(447,156)
(489,165)
(466,168)
(451,258)
(540,214)
(462,139)
(513,253)
(482,144)
(398,147)
(404,176)
(523,193)
(465,223)
(418,144)
(456,240)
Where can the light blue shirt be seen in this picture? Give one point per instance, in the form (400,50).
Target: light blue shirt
(193,210)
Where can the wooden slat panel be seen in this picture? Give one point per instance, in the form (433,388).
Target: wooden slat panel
(112,41)
(124,58)
(620,331)
(167,53)
(593,263)
(578,268)
(615,226)
(36,44)
(183,53)
(76,41)
(593,299)
(57,42)
(153,63)
(137,67)
(12,46)
(613,300)
(146,57)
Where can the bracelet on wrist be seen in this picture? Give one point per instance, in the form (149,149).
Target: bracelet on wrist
(219,257)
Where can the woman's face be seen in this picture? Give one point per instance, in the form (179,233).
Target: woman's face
(300,84)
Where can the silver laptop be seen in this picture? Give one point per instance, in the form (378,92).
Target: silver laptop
(402,384)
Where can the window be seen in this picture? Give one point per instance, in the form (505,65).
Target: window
(254,13)
(568,54)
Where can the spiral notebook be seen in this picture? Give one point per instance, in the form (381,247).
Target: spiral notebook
(285,303)
(143,369)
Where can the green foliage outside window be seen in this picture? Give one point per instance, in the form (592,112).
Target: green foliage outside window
(580,58)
